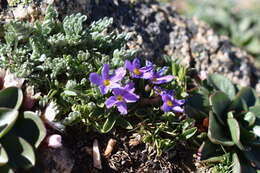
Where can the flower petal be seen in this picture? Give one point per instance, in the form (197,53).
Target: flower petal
(103,89)
(105,71)
(165,108)
(130,97)
(129,87)
(179,102)
(163,79)
(114,85)
(118,91)
(162,70)
(136,63)
(146,74)
(122,108)
(111,101)
(148,63)
(166,97)
(95,78)
(119,74)
(129,66)
(177,109)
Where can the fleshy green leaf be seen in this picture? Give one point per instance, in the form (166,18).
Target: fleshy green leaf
(236,167)
(210,151)
(234,130)
(220,103)
(19,151)
(109,123)
(124,123)
(11,97)
(250,118)
(189,133)
(31,128)
(255,110)
(217,133)
(7,120)
(248,95)
(223,84)
(3,156)
(256,130)
(6,169)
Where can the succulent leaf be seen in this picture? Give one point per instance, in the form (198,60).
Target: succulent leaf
(223,84)
(248,95)
(250,118)
(255,110)
(236,167)
(7,119)
(220,102)
(11,97)
(33,129)
(217,133)
(3,156)
(109,123)
(234,130)
(20,152)
(6,169)
(209,151)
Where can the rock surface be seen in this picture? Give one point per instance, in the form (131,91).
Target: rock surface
(159,30)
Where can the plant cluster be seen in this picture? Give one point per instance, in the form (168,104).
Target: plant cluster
(21,132)
(60,60)
(233,123)
(142,99)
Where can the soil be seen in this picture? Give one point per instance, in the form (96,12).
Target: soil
(123,158)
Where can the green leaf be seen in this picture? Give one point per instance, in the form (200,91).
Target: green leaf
(6,169)
(220,103)
(234,130)
(256,130)
(248,95)
(223,84)
(124,123)
(217,133)
(246,135)
(255,110)
(7,120)
(20,152)
(189,133)
(250,118)
(209,151)
(109,123)
(236,167)
(3,156)
(11,97)
(238,105)
(31,128)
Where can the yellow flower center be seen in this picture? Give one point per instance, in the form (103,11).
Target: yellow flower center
(169,103)
(155,79)
(119,98)
(137,71)
(106,82)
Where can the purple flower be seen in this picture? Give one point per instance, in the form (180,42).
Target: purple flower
(158,78)
(170,103)
(106,81)
(121,97)
(137,71)
(159,90)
